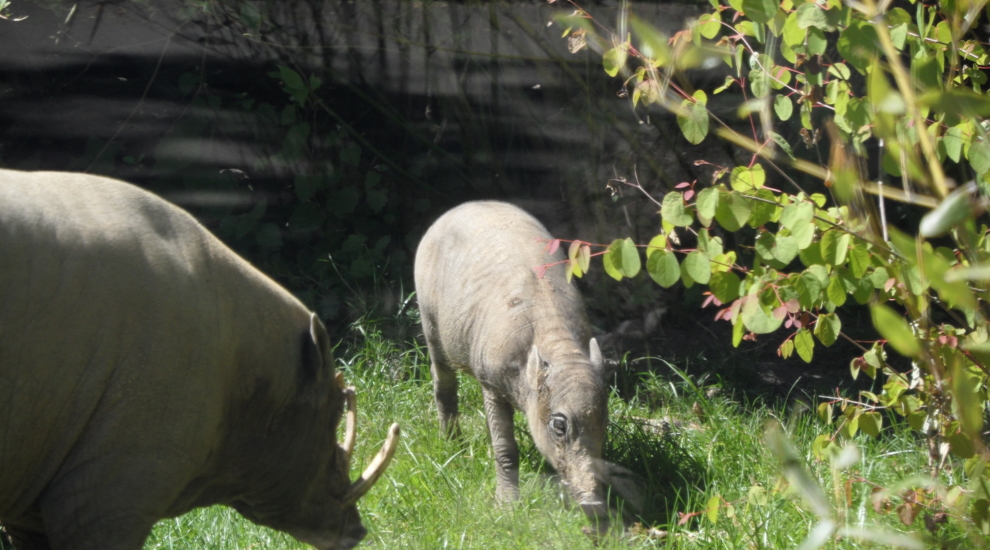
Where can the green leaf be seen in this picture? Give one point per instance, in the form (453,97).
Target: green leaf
(784,249)
(760,11)
(291,78)
(738,331)
(269,236)
(805,235)
(840,71)
(306,217)
(810,15)
(759,82)
(707,202)
(871,423)
(827,328)
(784,107)
(614,60)
(836,292)
(786,349)
(817,44)
(656,243)
(694,123)
(804,344)
(711,510)
(733,210)
(879,277)
(698,267)
(953,210)
(859,259)
(980,514)
(967,402)
(584,258)
(793,33)
(612,260)
(756,320)
(764,210)
(979,157)
(663,268)
(895,330)
(377,198)
(630,258)
(745,179)
(725,286)
(835,245)
(709,24)
(673,210)
(859,44)
(712,246)
(809,289)
(957,102)
(797,213)
(961,445)
(953,142)
(306,185)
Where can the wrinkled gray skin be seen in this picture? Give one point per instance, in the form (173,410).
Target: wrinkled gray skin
(145,370)
(485,312)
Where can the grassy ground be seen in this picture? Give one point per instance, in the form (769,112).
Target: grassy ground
(683,443)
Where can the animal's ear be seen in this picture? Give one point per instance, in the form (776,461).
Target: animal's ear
(536,368)
(316,352)
(595,356)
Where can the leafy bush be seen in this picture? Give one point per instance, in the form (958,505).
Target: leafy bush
(880,82)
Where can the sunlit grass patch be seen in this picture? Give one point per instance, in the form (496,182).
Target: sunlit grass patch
(681,447)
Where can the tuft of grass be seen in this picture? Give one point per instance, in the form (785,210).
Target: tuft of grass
(676,447)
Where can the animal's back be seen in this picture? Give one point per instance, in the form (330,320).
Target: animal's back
(105,291)
(477,284)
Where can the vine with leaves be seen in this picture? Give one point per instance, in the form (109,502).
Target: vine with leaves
(900,88)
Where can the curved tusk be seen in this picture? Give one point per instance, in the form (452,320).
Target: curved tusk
(374,470)
(350,433)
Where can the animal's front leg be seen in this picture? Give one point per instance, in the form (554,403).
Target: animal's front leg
(27,540)
(502,430)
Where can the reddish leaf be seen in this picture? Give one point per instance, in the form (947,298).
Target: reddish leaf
(541,270)
(682,185)
(889,284)
(553,245)
(780,312)
(688,194)
(908,511)
(879,502)
(793,306)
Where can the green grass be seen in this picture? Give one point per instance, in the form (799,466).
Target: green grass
(440,494)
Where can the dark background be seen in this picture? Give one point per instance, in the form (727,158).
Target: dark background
(419,107)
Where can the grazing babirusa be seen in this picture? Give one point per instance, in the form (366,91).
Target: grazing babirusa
(525,337)
(146,369)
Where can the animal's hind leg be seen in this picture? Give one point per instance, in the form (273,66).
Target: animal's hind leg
(444,381)
(445,393)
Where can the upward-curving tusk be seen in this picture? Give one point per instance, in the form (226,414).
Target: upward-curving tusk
(350,433)
(374,470)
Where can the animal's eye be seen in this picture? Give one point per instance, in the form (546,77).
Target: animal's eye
(558,425)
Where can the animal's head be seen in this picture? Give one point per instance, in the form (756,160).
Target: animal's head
(570,420)
(301,479)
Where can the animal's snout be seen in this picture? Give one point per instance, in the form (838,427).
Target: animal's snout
(595,508)
(354,534)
